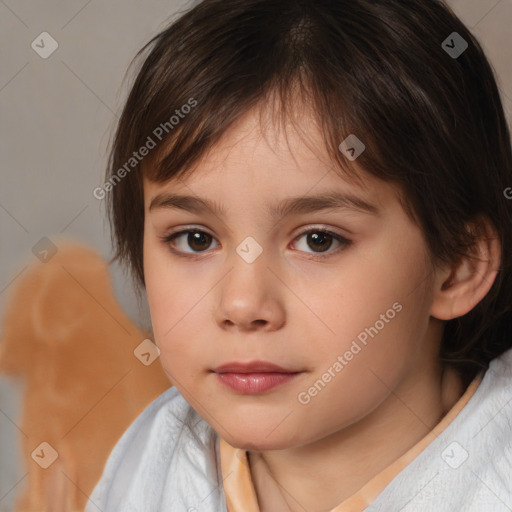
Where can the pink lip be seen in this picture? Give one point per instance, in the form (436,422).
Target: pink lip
(253,377)
(252,383)
(251,367)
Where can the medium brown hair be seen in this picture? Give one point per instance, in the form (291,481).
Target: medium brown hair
(433,124)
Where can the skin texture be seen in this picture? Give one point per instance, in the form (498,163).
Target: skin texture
(302,313)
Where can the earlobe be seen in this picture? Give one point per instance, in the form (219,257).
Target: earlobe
(460,288)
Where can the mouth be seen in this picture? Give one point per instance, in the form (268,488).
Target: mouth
(253,377)
(252,367)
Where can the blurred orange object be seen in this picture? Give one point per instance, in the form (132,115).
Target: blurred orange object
(86,375)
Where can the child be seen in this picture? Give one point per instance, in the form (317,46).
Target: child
(313,195)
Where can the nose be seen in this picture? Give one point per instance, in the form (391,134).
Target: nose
(250,297)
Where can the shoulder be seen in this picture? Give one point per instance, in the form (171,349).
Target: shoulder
(168,408)
(475,451)
(490,434)
(481,442)
(137,468)
(469,465)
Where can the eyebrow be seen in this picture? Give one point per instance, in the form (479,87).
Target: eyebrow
(288,206)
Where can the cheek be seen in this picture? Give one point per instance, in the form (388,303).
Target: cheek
(376,315)
(373,283)
(174,308)
(165,288)
(349,397)
(174,299)
(366,378)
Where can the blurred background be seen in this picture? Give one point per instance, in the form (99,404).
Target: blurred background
(61,91)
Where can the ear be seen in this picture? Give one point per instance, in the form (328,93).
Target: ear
(459,288)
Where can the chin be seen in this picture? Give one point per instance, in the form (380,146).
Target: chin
(259,440)
(254,444)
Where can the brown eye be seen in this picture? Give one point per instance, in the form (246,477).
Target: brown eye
(319,240)
(195,241)
(198,240)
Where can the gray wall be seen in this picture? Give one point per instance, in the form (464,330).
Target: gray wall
(56,118)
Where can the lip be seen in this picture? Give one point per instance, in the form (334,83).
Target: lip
(253,377)
(254,383)
(252,367)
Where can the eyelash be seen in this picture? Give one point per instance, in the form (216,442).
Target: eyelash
(168,239)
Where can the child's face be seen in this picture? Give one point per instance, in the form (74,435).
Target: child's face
(286,308)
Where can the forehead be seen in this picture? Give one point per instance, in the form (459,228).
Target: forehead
(256,158)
